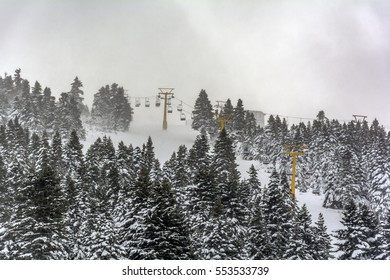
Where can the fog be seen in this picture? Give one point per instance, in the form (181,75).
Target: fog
(291,58)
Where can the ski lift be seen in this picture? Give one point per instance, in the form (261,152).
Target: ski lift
(147,102)
(180,107)
(316,191)
(158,101)
(137,102)
(245,151)
(170,110)
(182,117)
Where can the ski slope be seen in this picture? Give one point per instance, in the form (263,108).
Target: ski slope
(148,122)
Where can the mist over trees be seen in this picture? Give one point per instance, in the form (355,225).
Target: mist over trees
(36,108)
(111,110)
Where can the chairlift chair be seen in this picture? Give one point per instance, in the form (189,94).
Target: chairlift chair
(137,102)
(158,101)
(180,107)
(169,101)
(170,110)
(147,102)
(182,117)
(316,191)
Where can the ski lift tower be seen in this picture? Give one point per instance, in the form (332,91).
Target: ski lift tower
(359,118)
(222,119)
(163,94)
(294,151)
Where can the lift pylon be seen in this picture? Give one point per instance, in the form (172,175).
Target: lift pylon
(359,117)
(222,119)
(164,93)
(294,151)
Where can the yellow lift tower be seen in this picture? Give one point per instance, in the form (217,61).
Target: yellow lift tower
(294,151)
(222,119)
(164,93)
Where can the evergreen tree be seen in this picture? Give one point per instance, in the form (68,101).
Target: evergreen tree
(181,178)
(162,233)
(277,217)
(372,239)
(57,154)
(4,196)
(203,113)
(322,242)
(228,107)
(303,239)
(68,116)
(36,228)
(111,109)
(239,117)
(76,93)
(386,237)
(259,247)
(350,236)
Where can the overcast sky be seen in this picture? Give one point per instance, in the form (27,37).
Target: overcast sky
(290,57)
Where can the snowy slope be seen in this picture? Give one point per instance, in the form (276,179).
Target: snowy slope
(148,122)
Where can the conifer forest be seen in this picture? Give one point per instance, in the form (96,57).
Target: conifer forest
(62,199)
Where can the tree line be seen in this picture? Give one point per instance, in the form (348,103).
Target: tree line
(58,202)
(342,160)
(37,108)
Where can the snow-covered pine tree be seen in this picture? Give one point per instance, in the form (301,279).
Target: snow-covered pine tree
(48,111)
(4,193)
(302,240)
(166,234)
(181,178)
(36,228)
(133,226)
(386,237)
(198,156)
(378,169)
(57,154)
(258,241)
(277,213)
(370,245)
(219,237)
(322,242)
(111,111)
(203,113)
(78,197)
(122,111)
(239,117)
(68,116)
(125,163)
(76,92)
(104,241)
(254,185)
(349,237)
(250,125)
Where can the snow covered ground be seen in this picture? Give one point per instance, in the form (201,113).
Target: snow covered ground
(148,122)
